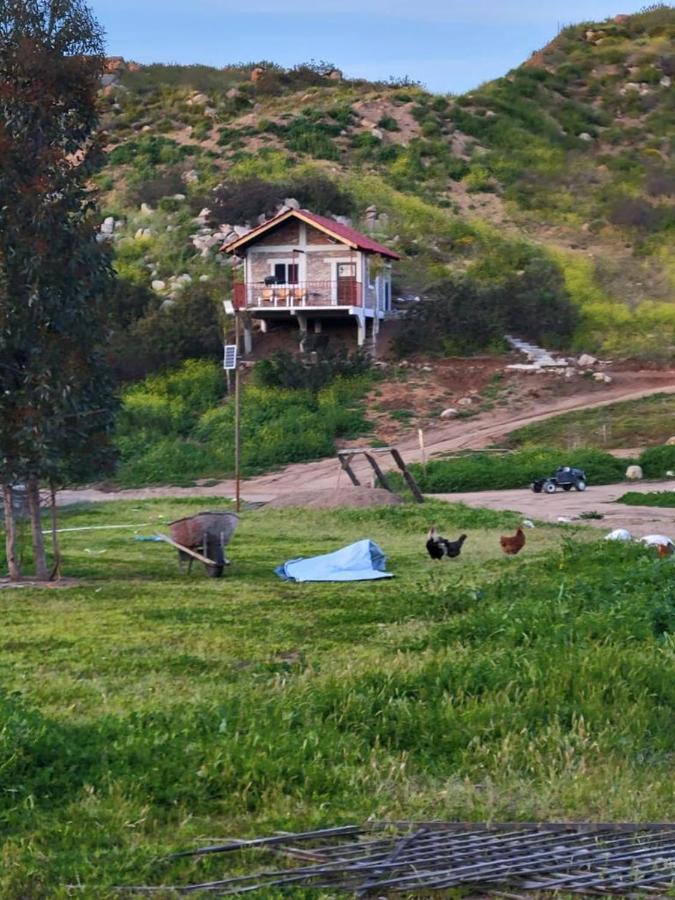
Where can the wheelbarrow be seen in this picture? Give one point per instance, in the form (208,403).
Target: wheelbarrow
(203,537)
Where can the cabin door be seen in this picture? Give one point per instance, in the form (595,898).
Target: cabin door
(346,284)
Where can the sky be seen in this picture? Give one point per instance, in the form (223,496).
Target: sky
(448,45)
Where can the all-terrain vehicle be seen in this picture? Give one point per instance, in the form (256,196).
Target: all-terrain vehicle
(565,477)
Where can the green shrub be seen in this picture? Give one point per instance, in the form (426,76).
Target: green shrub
(488,471)
(478,178)
(156,188)
(189,328)
(182,409)
(662,499)
(473,312)
(656,461)
(388,123)
(286,370)
(148,151)
(170,403)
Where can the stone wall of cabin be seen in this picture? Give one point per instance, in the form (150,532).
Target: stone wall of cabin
(318,265)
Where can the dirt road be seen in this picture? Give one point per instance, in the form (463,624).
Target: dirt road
(639,520)
(474,433)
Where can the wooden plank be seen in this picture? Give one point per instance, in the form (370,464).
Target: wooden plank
(379,474)
(410,481)
(345,463)
(353,451)
(202,559)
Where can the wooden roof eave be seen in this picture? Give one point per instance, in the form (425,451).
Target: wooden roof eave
(260,230)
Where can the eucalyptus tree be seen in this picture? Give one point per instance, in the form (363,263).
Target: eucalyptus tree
(56,399)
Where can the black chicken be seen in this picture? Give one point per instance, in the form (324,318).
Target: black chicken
(438,547)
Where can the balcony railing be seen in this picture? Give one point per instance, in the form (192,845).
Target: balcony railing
(306,293)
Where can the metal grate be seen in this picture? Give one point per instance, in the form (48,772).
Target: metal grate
(393,858)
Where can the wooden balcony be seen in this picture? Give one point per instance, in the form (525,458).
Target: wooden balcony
(344,292)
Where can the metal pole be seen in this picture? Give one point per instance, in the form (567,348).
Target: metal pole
(237,438)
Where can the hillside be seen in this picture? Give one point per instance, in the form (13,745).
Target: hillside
(567,157)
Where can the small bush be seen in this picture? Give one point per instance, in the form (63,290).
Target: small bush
(241,202)
(477,179)
(285,370)
(635,212)
(388,123)
(656,461)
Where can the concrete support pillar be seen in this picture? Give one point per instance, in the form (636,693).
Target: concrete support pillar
(248,340)
(302,325)
(264,325)
(317,326)
(361,330)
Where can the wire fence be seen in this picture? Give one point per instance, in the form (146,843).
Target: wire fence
(392,859)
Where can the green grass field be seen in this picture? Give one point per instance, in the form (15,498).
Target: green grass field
(144,712)
(632,423)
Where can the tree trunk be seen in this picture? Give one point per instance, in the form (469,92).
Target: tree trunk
(39,555)
(56,549)
(10,533)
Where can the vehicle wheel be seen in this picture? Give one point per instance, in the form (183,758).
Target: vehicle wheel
(567,487)
(580,484)
(549,487)
(536,487)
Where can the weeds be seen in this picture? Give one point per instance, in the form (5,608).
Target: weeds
(177,710)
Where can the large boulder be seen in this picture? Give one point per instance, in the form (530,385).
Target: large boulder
(585,361)
(449,413)
(634,473)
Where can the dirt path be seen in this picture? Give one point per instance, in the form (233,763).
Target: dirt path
(639,520)
(474,433)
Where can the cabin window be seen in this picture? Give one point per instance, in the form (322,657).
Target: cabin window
(286,273)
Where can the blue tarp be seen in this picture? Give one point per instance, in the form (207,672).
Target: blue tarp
(361,561)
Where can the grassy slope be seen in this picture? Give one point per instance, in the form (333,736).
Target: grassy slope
(452,168)
(144,713)
(635,423)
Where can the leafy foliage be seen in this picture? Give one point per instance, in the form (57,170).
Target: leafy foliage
(464,315)
(56,404)
(178,426)
(187,327)
(243,201)
(656,462)
(489,471)
(303,372)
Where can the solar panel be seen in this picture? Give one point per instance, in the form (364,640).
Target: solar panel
(230,357)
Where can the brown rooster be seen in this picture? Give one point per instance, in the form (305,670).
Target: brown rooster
(514,544)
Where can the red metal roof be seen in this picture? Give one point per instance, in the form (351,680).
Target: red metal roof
(342,232)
